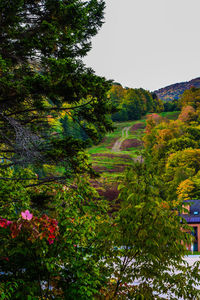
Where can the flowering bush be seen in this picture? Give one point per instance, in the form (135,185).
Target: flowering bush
(36,228)
(60,255)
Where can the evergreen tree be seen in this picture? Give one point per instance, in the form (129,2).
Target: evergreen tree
(42,75)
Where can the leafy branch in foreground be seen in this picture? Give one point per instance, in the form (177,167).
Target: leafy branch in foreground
(57,252)
(150,239)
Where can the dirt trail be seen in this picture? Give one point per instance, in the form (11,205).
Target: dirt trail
(119,142)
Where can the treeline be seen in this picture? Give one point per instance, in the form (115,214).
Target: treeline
(174,148)
(171,105)
(132,104)
(124,104)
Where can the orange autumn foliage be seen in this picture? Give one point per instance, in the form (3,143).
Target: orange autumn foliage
(187,114)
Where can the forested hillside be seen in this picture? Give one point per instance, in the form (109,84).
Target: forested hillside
(174,91)
(132,104)
(123,104)
(174,148)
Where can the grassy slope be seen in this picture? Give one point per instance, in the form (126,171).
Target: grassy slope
(108,141)
(112,164)
(170,115)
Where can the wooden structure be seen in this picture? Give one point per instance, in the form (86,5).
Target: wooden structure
(192,217)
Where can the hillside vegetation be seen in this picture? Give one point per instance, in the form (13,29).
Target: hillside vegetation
(110,162)
(174,149)
(132,104)
(174,91)
(131,143)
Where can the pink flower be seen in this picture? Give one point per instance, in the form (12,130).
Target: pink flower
(55,222)
(50,241)
(8,223)
(5,223)
(26,215)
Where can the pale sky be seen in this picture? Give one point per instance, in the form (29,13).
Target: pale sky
(148,43)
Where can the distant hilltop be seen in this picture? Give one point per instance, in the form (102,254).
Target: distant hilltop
(173,91)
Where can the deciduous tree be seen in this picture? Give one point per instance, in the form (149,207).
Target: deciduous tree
(151,239)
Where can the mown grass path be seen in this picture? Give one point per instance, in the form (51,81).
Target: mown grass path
(119,142)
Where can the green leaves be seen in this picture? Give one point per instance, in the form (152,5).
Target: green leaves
(131,104)
(42,78)
(151,240)
(72,267)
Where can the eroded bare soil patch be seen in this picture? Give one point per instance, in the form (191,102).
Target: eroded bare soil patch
(137,126)
(130,143)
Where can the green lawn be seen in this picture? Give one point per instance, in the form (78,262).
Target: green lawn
(170,115)
(194,253)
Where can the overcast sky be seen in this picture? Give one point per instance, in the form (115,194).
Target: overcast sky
(148,43)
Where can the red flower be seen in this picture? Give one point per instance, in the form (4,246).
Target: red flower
(50,241)
(3,223)
(55,222)
(51,229)
(51,236)
(5,258)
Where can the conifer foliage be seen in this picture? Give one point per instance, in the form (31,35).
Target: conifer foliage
(42,75)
